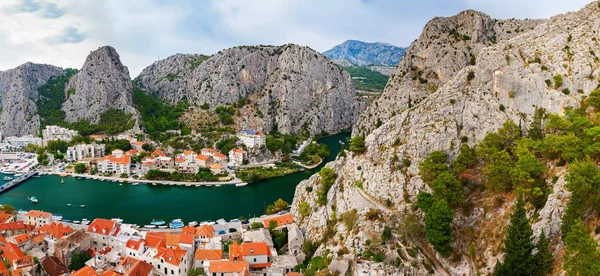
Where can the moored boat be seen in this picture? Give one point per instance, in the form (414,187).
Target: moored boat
(241,184)
(163,227)
(7,178)
(150,226)
(57,217)
(158,222)
(193,223)
(33,199)
(176,223)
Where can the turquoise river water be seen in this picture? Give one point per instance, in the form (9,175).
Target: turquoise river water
(142,203)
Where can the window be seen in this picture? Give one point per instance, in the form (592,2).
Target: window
(159,267)
(255,260)
(172,272)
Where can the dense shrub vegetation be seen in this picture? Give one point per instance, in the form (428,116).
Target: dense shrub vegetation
(366,79)
(158,116)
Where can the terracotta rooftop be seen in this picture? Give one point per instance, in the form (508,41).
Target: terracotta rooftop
(172,256)
(101,226)
(281,220)
(228,266)
(134,244)
(209,254)
(37,214)
(123,160)
(4,216)
(205,231)
(85,271)
(202,157)
(55,230)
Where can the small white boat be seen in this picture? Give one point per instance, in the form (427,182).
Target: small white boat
(85,222)
(57,217)
(117,220)
(241,184)
(121,184)
(69,204)
(21,212)
(82,205)
(150,226)
(163,227)
(221,221)
(7,178)
(217,185)
(102,179)
(18,174)
(33,199)
(192,223)
(135,183)
(76,221)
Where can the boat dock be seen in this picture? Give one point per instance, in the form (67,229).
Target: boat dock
(6,186)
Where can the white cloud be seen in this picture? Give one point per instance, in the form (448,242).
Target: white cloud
(63,32)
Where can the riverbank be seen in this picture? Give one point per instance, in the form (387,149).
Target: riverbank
(140,204)
(234,181)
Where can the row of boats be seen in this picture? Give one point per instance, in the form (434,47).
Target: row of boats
(178,223)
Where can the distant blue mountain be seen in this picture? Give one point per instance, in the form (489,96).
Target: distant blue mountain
(363,53)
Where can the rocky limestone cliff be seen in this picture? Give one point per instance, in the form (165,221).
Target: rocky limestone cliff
(103,83)
(18,95)
(445,47)
(361,53)
(507,82)
(294,87)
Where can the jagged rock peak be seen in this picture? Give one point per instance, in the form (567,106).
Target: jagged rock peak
(362,53)
(446,46)
(294,87)
(103,83)
(18,95)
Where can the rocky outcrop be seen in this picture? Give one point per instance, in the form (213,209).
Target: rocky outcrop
(102,84)
(508,80)
(446,46)
(293,87)
(361,53)
(18,95)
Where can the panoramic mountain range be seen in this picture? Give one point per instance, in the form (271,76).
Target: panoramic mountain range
(361,53)
(293,88)
(464,77)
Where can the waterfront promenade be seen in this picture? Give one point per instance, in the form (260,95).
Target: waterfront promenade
(234,181)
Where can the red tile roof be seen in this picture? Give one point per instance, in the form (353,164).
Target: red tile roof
(132,151)
(209,254)
(236,150)
(179,160)
(85,271)
(281,220)
(158,153)
(228,266)
(205,231)
(189,152)
(134,244)
(240,251)
(54,267)
(110,273)
(124,160)
(23,238)
(220,155)
(37,214)
(4,216)
(138,143)
(15,225)
(202,157)
(172,256)
(56,230)
(15,256)
(101,226)
(155,241)
(38,238)
(140,268)
(3,269)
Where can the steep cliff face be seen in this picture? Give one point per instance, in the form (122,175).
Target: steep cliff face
(294,87)
(445,47)
(508,80)
(18,94)
(103,83)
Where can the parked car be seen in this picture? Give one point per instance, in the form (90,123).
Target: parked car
(232,230)
(245,221)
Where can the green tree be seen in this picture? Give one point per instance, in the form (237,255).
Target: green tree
(80,168)
(447,187)
(543,258)
(518,246)
(566,148)
(256,225)
(433,165)
(78,260)
(536,128)
(328,177)
(272,225)
(196,271)
(497,170)
(148,147)
(594,99)
(424,201)
(357,144)
(9,209)
(437,227)
(466,159)
(581,255)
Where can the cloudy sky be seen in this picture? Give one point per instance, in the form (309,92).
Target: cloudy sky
(63,32)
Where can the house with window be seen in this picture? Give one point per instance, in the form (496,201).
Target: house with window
(220,158)
(135,247)
(37,218)
(77,241)
(237,156)
(23,241)
(203,257)
(85,151)
(204,161)
(101,232)
(168,261)
(209,151)
(16,258)
(134,267)
(53,233)
(189,155)
(257,254)
(137,145)
(116,163)
(204,233)
(252,138)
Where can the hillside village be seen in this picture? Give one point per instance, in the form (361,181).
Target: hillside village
(33,243)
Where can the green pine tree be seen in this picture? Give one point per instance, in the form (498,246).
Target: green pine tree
(543,258)
(518,245)
(437,227)
(581,255)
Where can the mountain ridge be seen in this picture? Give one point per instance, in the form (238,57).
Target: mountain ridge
(361,53)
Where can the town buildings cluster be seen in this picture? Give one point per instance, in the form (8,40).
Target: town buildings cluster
(233,248)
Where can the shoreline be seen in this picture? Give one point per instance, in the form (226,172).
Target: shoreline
(140,181)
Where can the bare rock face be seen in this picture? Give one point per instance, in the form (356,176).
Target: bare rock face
(294,87)
(103,83)
(445,47)
(18,94)
(507,82)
